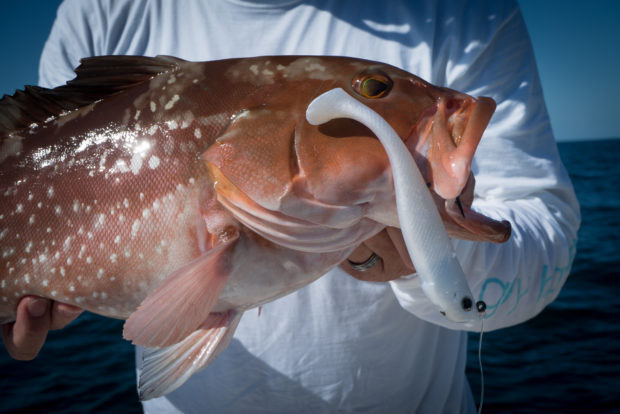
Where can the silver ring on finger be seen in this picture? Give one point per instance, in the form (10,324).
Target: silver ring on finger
(365,265)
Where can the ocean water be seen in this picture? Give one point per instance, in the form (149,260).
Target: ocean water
(566,360)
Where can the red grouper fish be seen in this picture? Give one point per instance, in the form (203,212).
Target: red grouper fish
(179,194)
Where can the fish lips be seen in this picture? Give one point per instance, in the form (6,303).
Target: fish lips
(463,222)
(443,143)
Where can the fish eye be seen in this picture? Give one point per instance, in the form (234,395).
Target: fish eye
(372,86)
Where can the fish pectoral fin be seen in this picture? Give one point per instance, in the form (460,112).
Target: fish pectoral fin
(163,370)
(183,301)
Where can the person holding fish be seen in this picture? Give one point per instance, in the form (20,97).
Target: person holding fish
(390,338)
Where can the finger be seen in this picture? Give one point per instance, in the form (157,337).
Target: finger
(393,264)
(360,255)
(63,314)
(24,338)
(396,236)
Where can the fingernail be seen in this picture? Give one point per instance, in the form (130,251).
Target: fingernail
(38,307)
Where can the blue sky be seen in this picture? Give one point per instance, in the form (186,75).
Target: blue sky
(577,46)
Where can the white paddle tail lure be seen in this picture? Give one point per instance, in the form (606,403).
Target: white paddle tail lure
(442,278)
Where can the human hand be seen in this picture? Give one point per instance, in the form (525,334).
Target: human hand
(393,262)
(24,338)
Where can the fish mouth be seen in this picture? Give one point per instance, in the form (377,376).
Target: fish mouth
(443,143)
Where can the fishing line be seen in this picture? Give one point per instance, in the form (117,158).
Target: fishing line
(480,364)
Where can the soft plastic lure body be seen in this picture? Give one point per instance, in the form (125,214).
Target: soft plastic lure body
(430,249)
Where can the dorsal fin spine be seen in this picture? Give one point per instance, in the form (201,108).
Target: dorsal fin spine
(96,78)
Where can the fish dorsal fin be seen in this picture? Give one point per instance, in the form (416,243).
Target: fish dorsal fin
(96,78)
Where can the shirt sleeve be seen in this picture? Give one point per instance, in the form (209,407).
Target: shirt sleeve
(72,37)
(519,176)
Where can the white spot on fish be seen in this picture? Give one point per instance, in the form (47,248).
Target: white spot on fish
(88,209)
(117,239)
(136,163)
(141,196)
(53,293)
(191,180)
(172,125)
(100,273)
(153,162)
(121,166)
(57,210)
(100,220)
(62,271)
(28,247)
(30,197)
(152,130)
(19,208)
(153,106)
(45,283)
(3,284)
(8,252)
(137,115)
(146,213)
(42,258)
(113,257)
(172,79)
(3,233)
(50,192)
(31,220)
(72,287)
(67,242)
(89,259)
(76,206)
(27,278)
(254,69)
(69,261)
(197,133)
(134,228)
(126,203)
(171,102)
(104,295)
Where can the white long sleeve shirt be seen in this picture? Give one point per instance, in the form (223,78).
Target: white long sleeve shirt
(341,345)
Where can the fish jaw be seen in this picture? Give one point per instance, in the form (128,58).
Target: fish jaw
(443,143)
